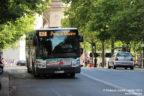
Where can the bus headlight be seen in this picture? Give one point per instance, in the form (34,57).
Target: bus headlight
(41,64)
(76,62)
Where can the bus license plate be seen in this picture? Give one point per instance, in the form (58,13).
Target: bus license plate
(59,72)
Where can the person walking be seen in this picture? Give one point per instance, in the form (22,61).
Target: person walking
(3,62)
(86,62)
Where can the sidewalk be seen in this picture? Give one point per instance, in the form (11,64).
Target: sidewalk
(4,80)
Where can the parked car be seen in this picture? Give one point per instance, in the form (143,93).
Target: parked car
(121,59)
(21,63)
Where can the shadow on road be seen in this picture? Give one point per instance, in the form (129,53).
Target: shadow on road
(56,76)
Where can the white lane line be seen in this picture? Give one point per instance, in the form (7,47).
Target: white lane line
(112,70)
(101,81)
(110,84)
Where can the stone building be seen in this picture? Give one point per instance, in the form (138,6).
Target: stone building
(53,16)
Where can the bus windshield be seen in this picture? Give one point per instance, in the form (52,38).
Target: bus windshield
(58,45)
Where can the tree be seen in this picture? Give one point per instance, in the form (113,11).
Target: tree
(126,24)
(78,14)
(17,18)
(12,31)
(13,9)
(117,20)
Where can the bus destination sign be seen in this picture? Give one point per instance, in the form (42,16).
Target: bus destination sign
(62,34)
(42,34)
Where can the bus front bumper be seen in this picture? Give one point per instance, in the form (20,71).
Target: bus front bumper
(45,71)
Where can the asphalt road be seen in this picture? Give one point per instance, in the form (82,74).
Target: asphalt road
(4,80)
(90,82)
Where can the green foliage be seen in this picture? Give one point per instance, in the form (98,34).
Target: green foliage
(17,18)
(65,22)
(127,24)
(12,31)
(78,15)
(13,9)
(101,20)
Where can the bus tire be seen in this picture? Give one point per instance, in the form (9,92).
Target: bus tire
(0,85)
(28,70)
(114,67)
(1,70)
(131,68)
(36,75)
(72,75)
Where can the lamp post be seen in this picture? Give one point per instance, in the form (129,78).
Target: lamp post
(94,54)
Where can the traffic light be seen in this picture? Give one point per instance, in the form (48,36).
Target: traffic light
(93,45)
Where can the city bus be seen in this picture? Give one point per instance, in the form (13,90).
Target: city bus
(53,51)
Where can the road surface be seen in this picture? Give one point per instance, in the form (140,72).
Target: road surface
(90,82)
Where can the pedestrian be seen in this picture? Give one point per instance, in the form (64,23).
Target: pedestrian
(90,63)
(86,62)
(3,61)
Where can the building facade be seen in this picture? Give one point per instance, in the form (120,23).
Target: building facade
(53,16)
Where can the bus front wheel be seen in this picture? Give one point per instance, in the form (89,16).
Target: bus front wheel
(28,70)
(72,75)
(36,74)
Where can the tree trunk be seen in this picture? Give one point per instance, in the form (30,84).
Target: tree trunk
(103,53)
(141,56)
(135,55)
(127,47)
(84,53)
(112,46)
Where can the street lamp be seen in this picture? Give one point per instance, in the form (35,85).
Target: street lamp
(94,54)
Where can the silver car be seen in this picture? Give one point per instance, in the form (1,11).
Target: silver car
(121,59)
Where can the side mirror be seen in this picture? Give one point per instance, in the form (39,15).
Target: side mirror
(81,38)
(35,40)
(81,50)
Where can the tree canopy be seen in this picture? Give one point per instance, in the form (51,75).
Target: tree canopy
(120,20)
(12,31)
(17,18)
(13,9)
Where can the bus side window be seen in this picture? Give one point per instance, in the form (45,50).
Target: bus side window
(35,40)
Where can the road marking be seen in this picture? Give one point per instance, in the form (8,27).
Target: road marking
(110,84)
(112,70)
(101,81)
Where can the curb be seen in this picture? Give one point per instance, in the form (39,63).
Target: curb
(4,80)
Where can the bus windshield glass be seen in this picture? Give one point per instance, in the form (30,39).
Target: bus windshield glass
(57,43)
